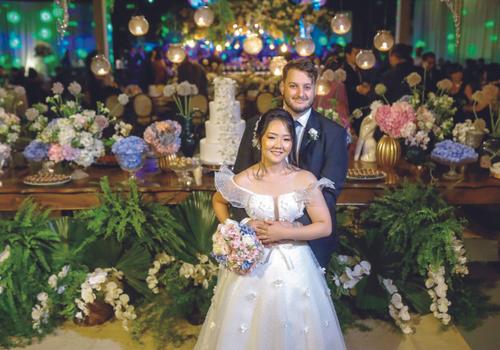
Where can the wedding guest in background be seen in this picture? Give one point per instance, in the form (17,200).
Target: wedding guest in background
(394,79)
(194,73)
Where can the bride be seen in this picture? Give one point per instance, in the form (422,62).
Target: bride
(284,303)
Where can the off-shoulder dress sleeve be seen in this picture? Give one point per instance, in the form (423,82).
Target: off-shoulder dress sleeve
(225,185)
(305,195)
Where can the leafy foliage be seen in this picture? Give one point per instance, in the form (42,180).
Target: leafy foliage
(25,270)
(197,224)
(417,224)
(128,219)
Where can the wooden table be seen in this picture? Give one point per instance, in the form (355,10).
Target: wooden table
(476,188)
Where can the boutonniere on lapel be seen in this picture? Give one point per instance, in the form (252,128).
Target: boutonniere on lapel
(313,134)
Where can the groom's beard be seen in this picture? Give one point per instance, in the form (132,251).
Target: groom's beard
(289,104)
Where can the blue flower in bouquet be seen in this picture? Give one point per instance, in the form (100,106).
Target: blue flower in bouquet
(237,247)
(36,151)
(453,152)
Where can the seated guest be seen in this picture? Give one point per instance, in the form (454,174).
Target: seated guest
(429,72)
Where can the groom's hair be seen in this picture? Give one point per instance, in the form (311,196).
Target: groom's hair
(303,64)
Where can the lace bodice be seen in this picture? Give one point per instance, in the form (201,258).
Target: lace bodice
(285,207)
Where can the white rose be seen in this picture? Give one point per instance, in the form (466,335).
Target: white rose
(169,90)
(123,99)
(57,88)
(74,88)
(31,114)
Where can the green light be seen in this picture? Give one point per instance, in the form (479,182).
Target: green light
(72,5)
(420,43)
(3,60)
(110,27)
(489,24)
(341,41)
(130,6)
(72,24)
(464,12)
(13,17)
(16,62)
(493,37)
(450,37)
(50,59)
(45,33)
(57,12)
(323,41)
(151,1)
(45,16)
(163,18)
(451,48)
(471,50)
(81,53)
(14,43)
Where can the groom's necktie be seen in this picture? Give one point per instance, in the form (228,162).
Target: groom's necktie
(298,129)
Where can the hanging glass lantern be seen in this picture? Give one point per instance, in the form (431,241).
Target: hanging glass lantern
(365,59)
(341,23)
(100,65)
(276,65)
(204,17)
(176,53)
(138,25)
(322,87)
(304,46)
(383,40)
(252,44)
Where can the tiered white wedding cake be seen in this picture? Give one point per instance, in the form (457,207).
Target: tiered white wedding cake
(224,128)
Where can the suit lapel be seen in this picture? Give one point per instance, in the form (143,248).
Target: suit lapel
(312,123)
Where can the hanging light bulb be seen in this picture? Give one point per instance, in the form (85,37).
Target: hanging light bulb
(277,64)
(252,44)
(365,59)
(283,48)
(138,25)
(383,40)
(204,17)
(304,46)
(176,53)
(322,87)
(100,65)
(341,23)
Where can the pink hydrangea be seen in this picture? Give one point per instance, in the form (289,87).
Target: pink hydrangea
(393,119)
(56,153)
(69,153)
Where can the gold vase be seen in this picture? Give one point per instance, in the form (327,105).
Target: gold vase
(388,152)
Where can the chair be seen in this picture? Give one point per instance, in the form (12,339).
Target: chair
(143,108)
(116,109)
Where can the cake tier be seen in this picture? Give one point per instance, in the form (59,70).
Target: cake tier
(223,112)
(217,153)
(224,89)
(217,131)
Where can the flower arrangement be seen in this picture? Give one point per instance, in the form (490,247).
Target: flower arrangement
(489,95)
(236,247)
(74,135)
(12,97)
(163,137)
(105,283)
(393,119)
(397,310)
(10,127)
(461,130)
(130,151)
(346,272)
(181,94)
(4,153)
(448,151)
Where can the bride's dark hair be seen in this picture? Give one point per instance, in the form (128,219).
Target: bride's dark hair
(261,127)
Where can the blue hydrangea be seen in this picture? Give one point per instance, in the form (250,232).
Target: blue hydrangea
(246,230)
(246,265)
(36,151)
(448,151)
(129,145)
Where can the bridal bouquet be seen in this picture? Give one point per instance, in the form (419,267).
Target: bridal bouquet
(237,247)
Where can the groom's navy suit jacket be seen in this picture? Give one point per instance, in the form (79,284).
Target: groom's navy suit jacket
(324,157)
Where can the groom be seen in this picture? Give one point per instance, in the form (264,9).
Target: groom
(321,143)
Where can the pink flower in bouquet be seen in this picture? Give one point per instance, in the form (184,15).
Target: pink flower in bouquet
(56,152)
(164,136)
(102,122)
(392,119)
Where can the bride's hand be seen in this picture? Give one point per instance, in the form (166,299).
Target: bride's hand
(272,232)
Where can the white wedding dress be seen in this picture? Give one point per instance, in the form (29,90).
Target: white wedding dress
(284,303)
